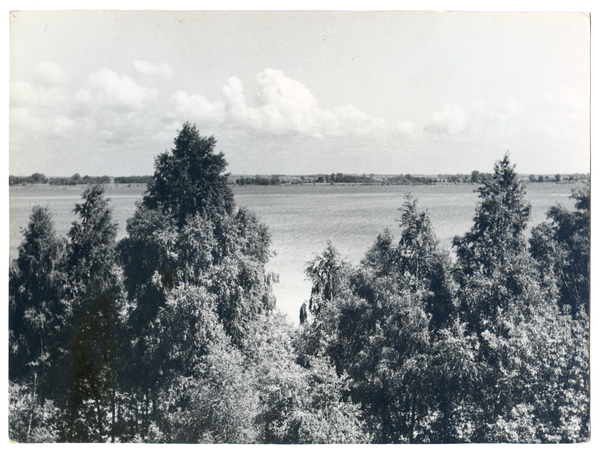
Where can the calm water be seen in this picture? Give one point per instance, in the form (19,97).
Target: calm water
(302,218)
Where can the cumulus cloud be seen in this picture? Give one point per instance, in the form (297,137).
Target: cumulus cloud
(116,108)
(107,89)
(406,128)
(451,120)
(147,68)
(197,108)
(36,101)
(22,94)
(50,74)
(501,119)
(282,106)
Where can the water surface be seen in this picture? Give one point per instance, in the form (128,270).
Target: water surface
(301,218)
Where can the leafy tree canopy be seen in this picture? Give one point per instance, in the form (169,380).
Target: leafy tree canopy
(500,220)
(190,178)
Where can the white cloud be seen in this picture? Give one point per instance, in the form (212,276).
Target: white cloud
(62,123)
(406,128)
(512,107)
(147,68)
(197,108)
(287,106)
(500,120)
(237,111)
(22,94)
(108,90)
(451,120)
(50,74)
(34,104)
(116,108)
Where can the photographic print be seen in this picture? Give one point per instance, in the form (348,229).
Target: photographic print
(299,227)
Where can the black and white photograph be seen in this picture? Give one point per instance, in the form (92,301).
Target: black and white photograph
(299,226)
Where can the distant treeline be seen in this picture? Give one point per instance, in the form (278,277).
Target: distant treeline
(259,181)
(40,178)
(273,180)
(36,178)
(133,179)
(558,178)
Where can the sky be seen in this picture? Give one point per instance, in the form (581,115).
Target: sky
(300,92)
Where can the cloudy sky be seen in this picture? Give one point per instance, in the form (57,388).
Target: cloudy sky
(301,92)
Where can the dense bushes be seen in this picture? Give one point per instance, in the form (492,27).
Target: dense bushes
(172,335)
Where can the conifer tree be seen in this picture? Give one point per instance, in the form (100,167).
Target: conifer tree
(88,377)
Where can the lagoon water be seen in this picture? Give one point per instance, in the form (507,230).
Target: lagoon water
(302,218)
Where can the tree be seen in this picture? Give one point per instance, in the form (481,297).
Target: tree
(373,322)
(508,306)
(186,230)
(200,391)
(475,176)
(382,343)
(29,419)
(92,241)
(192,258)
(93,299)
(415,262)
(500,220)
(39,178)
(329,275)
(190,178)
(562,247)
(493,267)
(36,316)
(35,283)
(299,403)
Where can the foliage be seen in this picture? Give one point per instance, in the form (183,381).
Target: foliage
(486,357)
(187,232)
(416,262)
(78,179)
(202,393)
(373,322)
(191,258)
(133,179)
(562,247)
(500,219)
(92,242)
(510,306)
(299,405)
(35,283)
(30,419)
(88,368)
(36,178)
(226,255)
(190,179)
